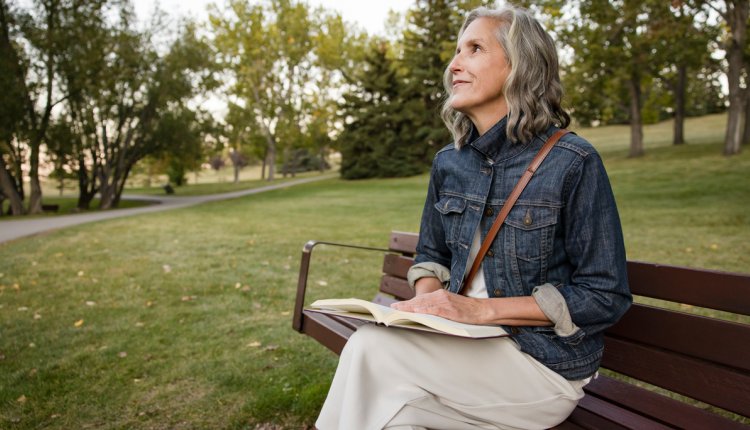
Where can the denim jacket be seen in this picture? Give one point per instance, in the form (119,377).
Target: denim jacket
(562,242)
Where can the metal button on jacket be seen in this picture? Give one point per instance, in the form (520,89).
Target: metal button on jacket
(488,211)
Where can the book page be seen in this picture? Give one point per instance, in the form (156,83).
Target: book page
(447,326)
(359,306)
(361,309)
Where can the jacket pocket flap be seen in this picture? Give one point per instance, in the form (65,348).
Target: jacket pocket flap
(451,204)
(531,217)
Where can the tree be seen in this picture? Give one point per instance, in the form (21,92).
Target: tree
(372,143)
(681,39)
(275,85)
(735,14)
(180,133)
(428,44)
(120,98)
(30,77)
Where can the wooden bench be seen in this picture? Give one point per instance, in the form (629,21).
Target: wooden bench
(705,359)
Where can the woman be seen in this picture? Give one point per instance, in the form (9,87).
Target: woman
(554,277)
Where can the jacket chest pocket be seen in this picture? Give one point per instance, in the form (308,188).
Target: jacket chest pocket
(451,214)
(530,231)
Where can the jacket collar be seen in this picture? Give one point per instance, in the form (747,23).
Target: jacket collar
(494,144)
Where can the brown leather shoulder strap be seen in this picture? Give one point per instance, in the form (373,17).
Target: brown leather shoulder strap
(517,190)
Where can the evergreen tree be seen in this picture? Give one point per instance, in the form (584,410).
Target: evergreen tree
(372,143)
(429,42)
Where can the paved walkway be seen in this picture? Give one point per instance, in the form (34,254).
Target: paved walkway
(10,230)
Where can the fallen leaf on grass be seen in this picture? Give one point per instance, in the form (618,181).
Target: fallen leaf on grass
(21,399)
(322,283)
(16,287)
(2,356)
(285,313)
(237,285)
(271,348)
(32,345)
(32,372)
(80,273)
(90,303)
(37,316)
(254,344)
(139,324)
(167,268)
(78,323)
(246,288)
(122,354)
(188,298)
(714,246)
(149,304)
(23,309)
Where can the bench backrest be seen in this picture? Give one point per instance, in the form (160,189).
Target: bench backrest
(688,332)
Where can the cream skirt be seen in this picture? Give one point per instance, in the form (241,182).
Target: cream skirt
(399,379)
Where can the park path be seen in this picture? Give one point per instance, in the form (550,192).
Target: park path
(10,230)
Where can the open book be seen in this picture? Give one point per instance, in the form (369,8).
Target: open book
(373,312)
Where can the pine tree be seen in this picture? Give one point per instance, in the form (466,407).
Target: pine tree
(373,144)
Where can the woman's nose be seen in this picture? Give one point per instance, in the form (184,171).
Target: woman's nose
(455,64)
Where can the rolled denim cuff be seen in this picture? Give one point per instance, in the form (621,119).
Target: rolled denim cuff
(428,269)
(552,303)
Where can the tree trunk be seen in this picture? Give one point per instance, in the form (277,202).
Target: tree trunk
(679,106)
(734,130)
(35,196)
(271,158)
(86,186)
(236,165)
(263,168)
(9,191)
(120,185)
(636,122)
(736,16)
(746,134)
(107,192)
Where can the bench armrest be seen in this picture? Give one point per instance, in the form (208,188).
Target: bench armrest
(305,268)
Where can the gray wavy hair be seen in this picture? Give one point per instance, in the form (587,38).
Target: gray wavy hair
(533,90)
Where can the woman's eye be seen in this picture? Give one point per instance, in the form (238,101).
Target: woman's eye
(476,48)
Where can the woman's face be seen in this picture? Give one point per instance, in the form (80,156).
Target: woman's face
(479,71)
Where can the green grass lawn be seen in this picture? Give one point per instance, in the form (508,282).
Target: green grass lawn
(182,319)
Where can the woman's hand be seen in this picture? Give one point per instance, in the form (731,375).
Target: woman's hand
(513,311)
(447,305)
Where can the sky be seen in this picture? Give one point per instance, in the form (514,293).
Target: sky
(368,14)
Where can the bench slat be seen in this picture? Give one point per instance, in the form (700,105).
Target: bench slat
(601,415)
(728,292)
(722,342)
(332,333)
(397,265)
(403,242)
(656,406)
(716,385)
(396,286)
